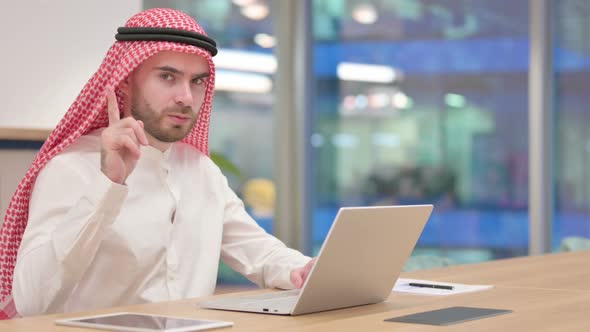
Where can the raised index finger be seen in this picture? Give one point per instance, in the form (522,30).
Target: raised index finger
(112,107)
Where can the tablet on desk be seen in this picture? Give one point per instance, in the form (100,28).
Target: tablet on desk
(133,322)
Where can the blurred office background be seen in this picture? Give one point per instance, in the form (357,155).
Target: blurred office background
(328,103)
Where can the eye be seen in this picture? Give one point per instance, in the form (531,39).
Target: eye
(199,81)
(166,76)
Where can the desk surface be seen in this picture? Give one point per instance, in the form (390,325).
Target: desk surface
(556,271)
(525,285)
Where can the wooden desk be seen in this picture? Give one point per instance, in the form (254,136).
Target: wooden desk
(536,307)
(554,271)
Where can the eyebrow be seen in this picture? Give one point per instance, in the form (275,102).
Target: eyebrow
(179,72)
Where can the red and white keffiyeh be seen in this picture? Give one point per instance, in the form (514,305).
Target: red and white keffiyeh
(89,112)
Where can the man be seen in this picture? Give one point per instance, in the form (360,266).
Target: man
(122,204)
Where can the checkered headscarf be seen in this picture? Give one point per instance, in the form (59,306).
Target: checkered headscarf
(89,112)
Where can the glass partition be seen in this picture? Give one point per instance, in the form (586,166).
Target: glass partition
(425,102)
(571,60)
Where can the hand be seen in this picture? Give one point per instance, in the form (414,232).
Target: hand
(299,275)
(120,143)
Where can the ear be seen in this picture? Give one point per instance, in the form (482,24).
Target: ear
(125,86)
(124,90)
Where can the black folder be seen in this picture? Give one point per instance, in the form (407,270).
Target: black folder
(448,316)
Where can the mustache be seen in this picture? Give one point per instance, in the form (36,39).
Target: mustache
(182,110)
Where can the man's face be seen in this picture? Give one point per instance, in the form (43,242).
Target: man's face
(166,93)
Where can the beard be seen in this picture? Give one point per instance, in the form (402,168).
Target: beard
(155,122)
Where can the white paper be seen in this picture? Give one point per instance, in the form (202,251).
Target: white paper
(402,286)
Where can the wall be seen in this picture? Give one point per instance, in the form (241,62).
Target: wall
(50,48)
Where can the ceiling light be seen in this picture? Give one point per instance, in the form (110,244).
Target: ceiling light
(265,40)
(348,71)
(256,11)
(242,82)
(365,14)
(246,61)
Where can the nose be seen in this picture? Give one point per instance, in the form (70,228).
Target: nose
(184,96)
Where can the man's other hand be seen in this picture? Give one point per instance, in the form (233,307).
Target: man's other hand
(299,275)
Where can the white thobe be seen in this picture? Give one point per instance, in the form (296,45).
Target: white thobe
(91,243)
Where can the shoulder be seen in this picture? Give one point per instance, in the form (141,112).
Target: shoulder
(80,156)
(193,166)
(188,155)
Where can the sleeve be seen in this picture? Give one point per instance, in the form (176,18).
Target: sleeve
(68,214)
(248,249)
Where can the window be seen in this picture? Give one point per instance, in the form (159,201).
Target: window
(425,102)
(572,120)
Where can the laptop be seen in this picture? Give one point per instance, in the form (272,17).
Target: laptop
(359,262)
